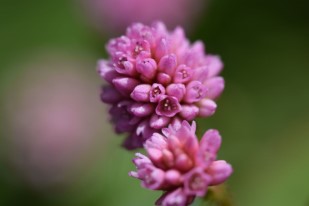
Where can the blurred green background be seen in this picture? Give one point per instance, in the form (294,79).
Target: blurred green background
(263,114)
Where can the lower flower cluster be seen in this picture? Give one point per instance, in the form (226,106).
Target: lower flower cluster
(180,165)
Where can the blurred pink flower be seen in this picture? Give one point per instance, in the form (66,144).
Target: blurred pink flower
(53,119)
(116,15)
(180,165)
(156,77)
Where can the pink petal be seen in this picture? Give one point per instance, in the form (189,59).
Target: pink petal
(215,87)
(110,95)
(173,198)
(168,64)
(106,71)
(141,109)
(219,171)
(157,92)
(209,146)
(176,90)
(162,48)
(125,85)
(189,112)
(147,67)
(207,107)
(195,91)
(168,107)
(159,122)
(173,177)
(164,78)
(141,93)
(196,182)
(183,74)
(215,65)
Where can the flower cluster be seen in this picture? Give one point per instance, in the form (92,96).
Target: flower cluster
(157,83)
(180,165)
(157,77)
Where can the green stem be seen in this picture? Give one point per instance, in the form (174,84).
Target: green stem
(217,196)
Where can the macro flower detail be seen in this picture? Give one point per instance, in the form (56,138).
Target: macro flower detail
(157,77)
(180,165)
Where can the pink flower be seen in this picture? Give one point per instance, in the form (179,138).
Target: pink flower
(156,77)
(180,165)
(115,15)
(52,121)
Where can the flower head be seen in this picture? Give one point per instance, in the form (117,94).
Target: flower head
(157,77)
(180,165)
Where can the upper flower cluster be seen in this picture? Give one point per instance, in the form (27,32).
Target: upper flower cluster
(157,77)
(180,165)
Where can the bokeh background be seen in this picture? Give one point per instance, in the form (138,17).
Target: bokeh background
(56,146)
